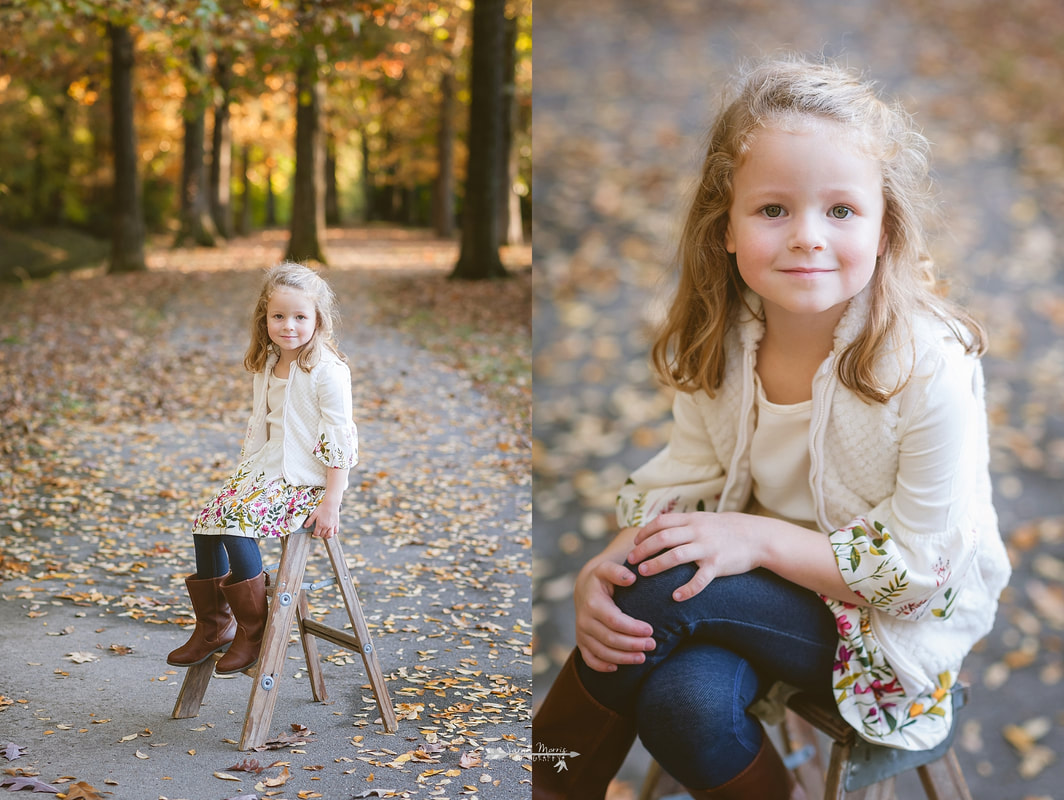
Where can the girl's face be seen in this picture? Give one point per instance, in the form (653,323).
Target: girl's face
(806,220)
(291,320)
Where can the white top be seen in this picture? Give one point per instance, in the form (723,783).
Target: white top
(270,460)
(275,406)
(317,431)
(779,459)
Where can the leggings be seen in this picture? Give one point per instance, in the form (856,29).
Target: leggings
(217,555)
(716,654)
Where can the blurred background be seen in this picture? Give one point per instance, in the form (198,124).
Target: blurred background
(624,93)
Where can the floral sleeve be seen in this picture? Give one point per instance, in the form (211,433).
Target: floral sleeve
(909,555)
(337,444)
(685,476)
(899,580)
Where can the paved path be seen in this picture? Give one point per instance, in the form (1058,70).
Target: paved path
(436,530)
(624,94)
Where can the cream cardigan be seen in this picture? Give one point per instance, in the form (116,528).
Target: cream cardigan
(915,467)
(319,432)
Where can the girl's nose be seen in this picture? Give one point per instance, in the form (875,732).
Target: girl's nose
(806,234)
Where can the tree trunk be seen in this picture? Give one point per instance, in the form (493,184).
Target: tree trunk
(196,223)
(127,234)
(221,151)
(308,200)
(271,198)
(443,189)
(243,225)
(479,258)
(332,192)
(368,198)
(511,230)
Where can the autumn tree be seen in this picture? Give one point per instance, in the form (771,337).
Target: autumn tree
(127,233)
(479,257)
(221,148)
(307,232)
(196,223)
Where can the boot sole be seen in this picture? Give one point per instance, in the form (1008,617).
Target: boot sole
(194,663)
(236,671)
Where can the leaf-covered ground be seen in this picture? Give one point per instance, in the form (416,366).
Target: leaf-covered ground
(122,406)
(624,94)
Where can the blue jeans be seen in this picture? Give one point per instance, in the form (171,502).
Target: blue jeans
(716,654)
(217,555)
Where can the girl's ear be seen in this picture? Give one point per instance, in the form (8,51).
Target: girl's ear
(729,240)
(882,242)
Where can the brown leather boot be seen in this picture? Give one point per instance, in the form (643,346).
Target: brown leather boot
(248,601)
(215,625)
(590,741)
(765,779)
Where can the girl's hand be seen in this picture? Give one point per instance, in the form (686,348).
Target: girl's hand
(325,520)
(326,517)
(606,635)
(720,544)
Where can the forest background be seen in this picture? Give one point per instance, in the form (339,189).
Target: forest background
(200,120)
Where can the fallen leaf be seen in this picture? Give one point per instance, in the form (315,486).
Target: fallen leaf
(247,765)
(280,780)
(468,760)
(83,791)
(82,658)
(20,782)
(222,776)
(13,751)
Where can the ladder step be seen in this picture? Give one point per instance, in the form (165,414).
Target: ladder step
(331,634)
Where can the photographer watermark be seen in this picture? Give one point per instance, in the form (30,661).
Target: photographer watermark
(555,754)
(541,753)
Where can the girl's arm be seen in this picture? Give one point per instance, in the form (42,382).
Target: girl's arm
(732,543)
(325,519)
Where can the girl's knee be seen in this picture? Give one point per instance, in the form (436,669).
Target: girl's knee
(651,595)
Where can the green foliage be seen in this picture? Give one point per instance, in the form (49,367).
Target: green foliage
(382,66)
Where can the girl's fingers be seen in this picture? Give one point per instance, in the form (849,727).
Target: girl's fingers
(655,541)
(659,522)
(616,574)
(604,654)
(612,618)
(702,578)
(666,559)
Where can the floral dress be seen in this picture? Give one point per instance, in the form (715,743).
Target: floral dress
(256,501)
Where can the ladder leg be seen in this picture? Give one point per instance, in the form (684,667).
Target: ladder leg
(943,779)
(310,652)
(799,734)
(361,632)
(190,698)
(294,550)
(834,784)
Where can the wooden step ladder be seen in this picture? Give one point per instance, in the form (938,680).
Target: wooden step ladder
(288,605)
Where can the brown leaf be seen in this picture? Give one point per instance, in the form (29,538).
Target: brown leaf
(247,765)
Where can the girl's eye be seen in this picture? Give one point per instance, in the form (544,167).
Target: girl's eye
(772,212)
(841,212)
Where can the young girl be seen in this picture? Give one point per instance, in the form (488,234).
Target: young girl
(300,443)
(822,513)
